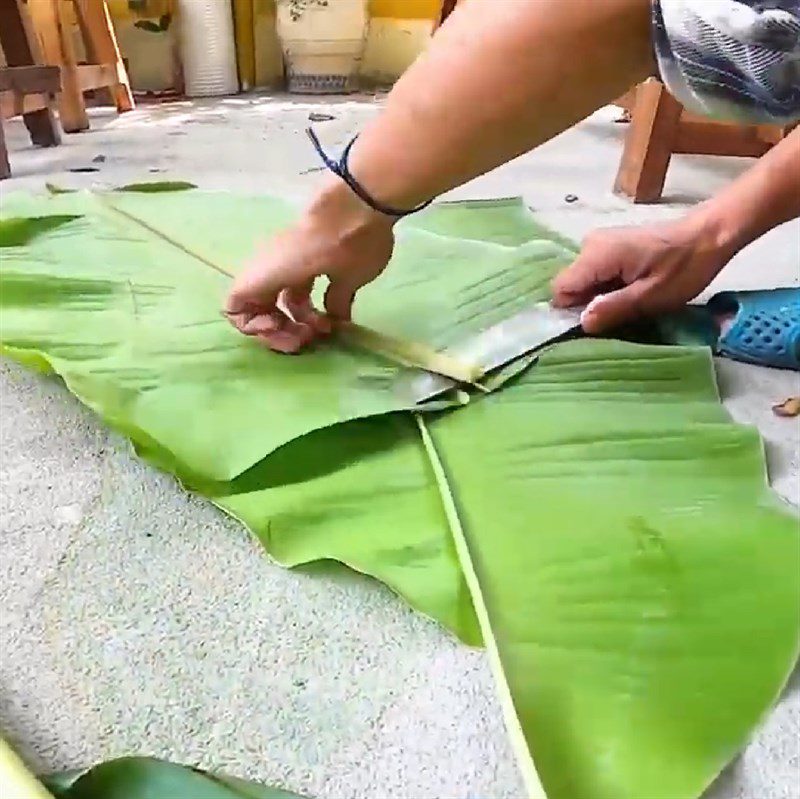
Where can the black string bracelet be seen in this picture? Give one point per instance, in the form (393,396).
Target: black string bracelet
(341,169)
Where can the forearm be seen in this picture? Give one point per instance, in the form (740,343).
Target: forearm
(501,77)
(765,196)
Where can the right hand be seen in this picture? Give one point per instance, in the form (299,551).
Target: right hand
(626,273)
(338,237)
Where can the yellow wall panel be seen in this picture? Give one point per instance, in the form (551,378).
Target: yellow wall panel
(392,46)
(268,56)
(405,9)
(245,43)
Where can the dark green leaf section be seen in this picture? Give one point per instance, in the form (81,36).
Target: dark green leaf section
(158,187)
(19,231)
(148,778)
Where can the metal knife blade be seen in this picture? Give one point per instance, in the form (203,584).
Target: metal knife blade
(498,345)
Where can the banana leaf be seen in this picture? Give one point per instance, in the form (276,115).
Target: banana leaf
(599,524)
(132,322)
(642,581)
(148,778)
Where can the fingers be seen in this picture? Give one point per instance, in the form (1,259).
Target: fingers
(339,300)
(255,313)
(262,304)
(298,304)
(596,268)
(291,323)
(607,311)
(273,328)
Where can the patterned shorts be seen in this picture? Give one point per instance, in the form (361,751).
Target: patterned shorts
(731,59)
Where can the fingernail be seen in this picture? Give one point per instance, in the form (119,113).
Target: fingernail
(592,306)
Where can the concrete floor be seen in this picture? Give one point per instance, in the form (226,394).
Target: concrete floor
(137,619)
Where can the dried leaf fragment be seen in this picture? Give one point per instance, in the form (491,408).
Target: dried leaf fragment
(788,408)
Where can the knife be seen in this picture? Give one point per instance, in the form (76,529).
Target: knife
(522,334)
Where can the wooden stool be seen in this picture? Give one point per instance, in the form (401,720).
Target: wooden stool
(447,7)
(26,86)
(105,69)
(660,126)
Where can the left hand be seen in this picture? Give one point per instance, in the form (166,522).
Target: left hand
(337,237)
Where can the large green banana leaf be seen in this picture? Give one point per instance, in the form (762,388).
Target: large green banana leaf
(640,582)
(133,324)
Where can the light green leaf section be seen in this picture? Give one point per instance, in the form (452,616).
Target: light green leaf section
(362,494)
(641,581)
(148,778)
(134,326)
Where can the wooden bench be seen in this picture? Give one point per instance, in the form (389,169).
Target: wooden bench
(104,70)
(27,86)
(36,40)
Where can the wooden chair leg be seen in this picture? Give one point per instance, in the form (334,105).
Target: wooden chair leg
(58,50)
(5,167)
(649,143)
(446,10)
(102,48)
(21,49)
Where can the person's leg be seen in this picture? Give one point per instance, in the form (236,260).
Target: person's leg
(499,78)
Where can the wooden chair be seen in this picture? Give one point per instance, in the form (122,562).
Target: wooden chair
(104,70)
(446,9)
(27,87)
(660,126)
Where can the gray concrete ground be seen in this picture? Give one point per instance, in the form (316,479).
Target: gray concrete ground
(137,619)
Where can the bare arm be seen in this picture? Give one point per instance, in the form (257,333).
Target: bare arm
(499,78)
(765,196)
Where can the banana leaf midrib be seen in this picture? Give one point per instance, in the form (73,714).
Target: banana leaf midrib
(533,784)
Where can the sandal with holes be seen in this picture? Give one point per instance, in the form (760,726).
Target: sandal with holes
(764,329)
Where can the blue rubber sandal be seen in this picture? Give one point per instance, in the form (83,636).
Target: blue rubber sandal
(765,328)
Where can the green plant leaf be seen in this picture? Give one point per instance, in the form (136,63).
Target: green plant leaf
(361,494)
(133,322)
(148,778)
(640,582)
(19,231)
(157,187)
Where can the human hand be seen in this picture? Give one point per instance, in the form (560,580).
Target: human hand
(337,237)
(625,273)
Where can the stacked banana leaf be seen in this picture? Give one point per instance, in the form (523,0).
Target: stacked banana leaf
(598,523)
